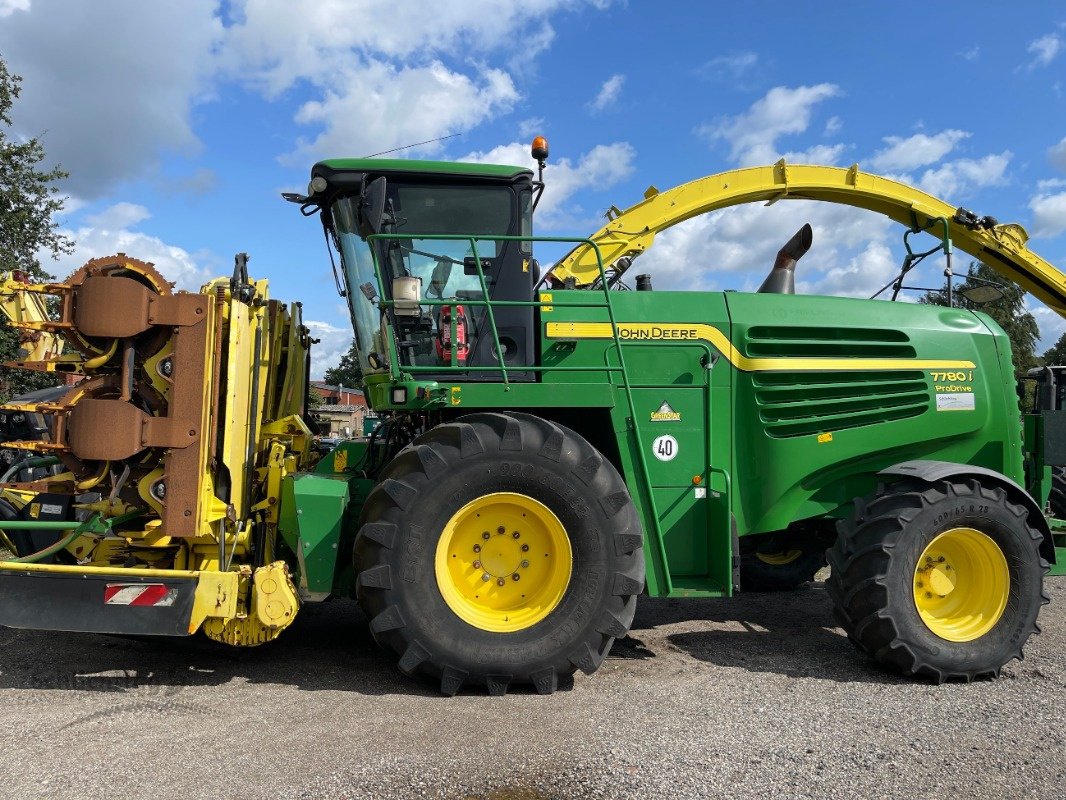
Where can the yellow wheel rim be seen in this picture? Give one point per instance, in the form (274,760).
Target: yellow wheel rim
(779,559)
(961,585)
(503,562)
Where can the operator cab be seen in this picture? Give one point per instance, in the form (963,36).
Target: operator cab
(429,226)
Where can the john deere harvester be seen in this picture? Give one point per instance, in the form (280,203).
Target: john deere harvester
(549,447)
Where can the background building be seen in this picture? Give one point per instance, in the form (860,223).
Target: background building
(341,408)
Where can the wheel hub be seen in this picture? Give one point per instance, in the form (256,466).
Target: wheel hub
(503,562)
(961,584)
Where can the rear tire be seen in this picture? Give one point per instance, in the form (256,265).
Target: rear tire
(780,564)
(941,580)
(422,523)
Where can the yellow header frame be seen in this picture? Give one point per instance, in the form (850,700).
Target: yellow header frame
(631,232)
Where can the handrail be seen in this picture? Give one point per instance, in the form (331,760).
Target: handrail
(643,486)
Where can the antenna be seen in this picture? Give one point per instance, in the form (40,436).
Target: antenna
(416,144)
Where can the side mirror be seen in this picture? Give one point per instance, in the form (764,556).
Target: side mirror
(372,208)
(441,273)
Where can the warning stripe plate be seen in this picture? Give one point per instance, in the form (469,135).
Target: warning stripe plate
(139,594)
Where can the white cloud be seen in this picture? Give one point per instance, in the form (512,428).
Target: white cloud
(1051,323)
(753,135)
(333,343)
(971,54)
(608,94)
(916,151)
(824,154)
(9,7)
(285,41)
(734,248)
(109,85)
(384,74)
(1057,154)
(534,126)
(601,167)
(119,216)
(1044,50)
(955,179)
(376,107)
(733,65)
(833,125)
(862,275)
(112,231)
(1049,214)
(112,84)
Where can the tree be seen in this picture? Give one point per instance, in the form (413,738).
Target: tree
(348,372)
(1009,311)
(1056,354)
(29,200)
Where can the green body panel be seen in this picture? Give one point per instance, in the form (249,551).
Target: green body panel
(408,166)
(313,511)
(789,470)
(767,446)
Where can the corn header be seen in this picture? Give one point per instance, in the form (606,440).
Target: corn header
(173,444)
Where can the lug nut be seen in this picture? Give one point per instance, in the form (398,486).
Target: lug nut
(486,577)
(940,560)
(524,564)
(525,548)
(920,585)
(477,548)
(516,534)
(501,529)
(477,565)
(516,577)
(500,581)
(485,535)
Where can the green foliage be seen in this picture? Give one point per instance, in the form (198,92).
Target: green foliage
(1056,354)
(348,372)
(29,200)
(1009,311)
(314,400)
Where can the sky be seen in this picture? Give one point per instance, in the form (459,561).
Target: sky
(181,122)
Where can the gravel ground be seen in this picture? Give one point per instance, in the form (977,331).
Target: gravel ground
(751,697)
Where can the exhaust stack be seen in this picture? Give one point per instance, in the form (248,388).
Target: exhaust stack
(782,278)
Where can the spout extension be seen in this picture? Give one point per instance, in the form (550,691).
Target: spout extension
(782,278)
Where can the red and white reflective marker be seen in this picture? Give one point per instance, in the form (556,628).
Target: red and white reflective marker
(139,594)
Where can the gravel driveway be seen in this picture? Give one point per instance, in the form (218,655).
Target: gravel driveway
(756,696)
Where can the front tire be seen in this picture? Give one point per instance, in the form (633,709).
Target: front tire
(461,512)
(942,580)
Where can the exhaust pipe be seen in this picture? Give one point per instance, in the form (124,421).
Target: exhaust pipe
(782,278)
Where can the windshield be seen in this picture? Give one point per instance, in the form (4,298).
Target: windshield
(443,269)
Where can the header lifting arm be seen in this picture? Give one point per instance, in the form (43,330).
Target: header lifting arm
(631,232)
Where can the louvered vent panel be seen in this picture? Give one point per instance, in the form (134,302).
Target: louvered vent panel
(802,403)
(782,341)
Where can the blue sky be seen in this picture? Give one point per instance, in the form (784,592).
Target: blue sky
(181,122)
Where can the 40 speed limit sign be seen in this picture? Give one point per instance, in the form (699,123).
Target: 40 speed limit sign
(664,448)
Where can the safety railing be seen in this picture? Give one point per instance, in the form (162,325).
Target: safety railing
(397,371)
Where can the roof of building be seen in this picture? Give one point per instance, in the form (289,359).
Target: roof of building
(332,388)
